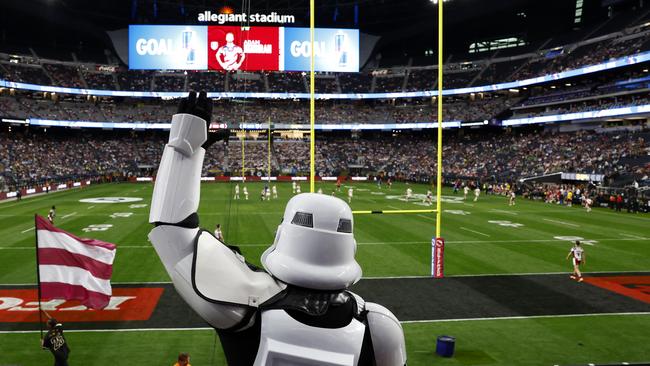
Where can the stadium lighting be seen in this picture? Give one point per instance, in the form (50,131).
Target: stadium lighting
(435,2)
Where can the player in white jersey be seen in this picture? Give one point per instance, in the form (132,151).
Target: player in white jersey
(429,199)
(51,215)
(588,202)
(218,234)
(293,187)
(409,193)
(477,192)
(579,257)
(298,190)
(350,195)
(320,190)
(511,198)
(237,191)
(465,192)
(267,192)
(245,194)
(275,192)
(230,56)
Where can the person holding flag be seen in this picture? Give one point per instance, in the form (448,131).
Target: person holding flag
(56,342)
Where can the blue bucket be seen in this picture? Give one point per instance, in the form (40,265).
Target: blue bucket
(445,346)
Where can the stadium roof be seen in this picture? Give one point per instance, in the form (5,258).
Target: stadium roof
(407,28)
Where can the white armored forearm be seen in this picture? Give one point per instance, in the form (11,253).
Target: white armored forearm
(177,190)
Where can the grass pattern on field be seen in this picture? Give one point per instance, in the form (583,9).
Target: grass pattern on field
(389,245)
(522,342)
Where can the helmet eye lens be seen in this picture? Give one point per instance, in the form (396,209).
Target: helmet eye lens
(303,219)
(345,226)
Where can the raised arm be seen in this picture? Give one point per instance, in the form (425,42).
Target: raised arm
(211,278)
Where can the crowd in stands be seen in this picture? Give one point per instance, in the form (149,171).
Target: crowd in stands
(33,157)
(629,100)
(256,111)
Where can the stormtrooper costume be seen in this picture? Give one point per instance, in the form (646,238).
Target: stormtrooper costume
(295,311)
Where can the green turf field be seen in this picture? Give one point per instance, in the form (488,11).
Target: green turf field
(483,237)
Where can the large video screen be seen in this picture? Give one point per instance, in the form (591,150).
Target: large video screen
(230,48)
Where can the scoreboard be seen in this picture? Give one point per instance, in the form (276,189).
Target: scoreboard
(231,48)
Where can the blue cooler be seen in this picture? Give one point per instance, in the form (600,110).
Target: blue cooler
(445,346)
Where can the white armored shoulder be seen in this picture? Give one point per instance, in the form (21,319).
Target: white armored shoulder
(188,133)
(222,276)
(387,336)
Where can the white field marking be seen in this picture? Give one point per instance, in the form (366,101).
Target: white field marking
(91,207)
(561,222)
(504,212)
(394,208)
(426,217)
(124,246)
(524,317)
(24,231)
(468,204)
(633,236)
(402,322)
(388,277)
(68,215)
(473,231)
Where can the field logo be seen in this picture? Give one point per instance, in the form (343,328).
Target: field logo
(505,223)
(438,255)
(126,304)
(110,199)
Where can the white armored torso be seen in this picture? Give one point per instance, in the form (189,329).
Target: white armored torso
(297,312)
(284,340)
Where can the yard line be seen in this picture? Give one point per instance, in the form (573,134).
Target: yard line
(473,231)
(68,215)
(468,204)
(24,231)
(91,207)
(402,322)
(562,222)
(426,217)
(504,212)
(525,317)
(388,277)
(633,236)
(124,246)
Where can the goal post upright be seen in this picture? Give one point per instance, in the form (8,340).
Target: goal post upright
(439,147)
(312,104)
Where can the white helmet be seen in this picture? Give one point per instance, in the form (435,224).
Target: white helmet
(314,246)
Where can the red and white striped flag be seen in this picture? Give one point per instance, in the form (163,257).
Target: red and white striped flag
(73,268)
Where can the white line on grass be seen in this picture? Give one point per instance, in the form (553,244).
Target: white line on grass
(392,243)
(89,207)
(403,322)
(468,204)
(426,217)
(387,277)
(562,222)
(24,231)
(524,317)
(504,212)
(633,236)
(68,215)
(473,231)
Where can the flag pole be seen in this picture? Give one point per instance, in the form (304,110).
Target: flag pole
(38,276)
